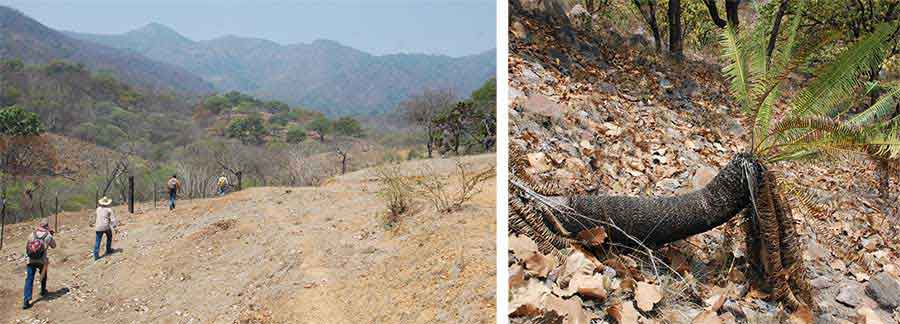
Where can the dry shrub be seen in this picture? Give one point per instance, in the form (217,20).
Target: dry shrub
(395,190)
(436,188)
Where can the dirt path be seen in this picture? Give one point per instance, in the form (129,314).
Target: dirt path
(270,255)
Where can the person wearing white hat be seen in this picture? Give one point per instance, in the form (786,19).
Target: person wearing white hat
(106,222)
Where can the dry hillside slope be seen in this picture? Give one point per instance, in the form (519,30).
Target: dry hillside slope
(598,112)
(270,255)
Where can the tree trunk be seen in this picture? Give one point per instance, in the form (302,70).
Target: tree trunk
(649,16)
(676,41)
(731,11)
(3,219)
(131,194)
(714,13)
(776,27)
(660,220)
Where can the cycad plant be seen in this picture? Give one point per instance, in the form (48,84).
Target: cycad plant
(815,124)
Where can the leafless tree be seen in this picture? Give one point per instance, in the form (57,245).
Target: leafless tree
(421,109)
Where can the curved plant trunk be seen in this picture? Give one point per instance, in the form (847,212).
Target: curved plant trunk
(744,186)
(660,220)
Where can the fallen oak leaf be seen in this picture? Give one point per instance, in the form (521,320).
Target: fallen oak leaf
(569,308)
(623,313)
(528,300)
(593,237)
(707,317)
(536,263)
(647,295)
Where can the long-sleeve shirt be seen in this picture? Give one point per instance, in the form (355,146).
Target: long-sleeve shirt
(106,219)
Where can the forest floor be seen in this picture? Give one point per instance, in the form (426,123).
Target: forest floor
(600,112)
(271,255)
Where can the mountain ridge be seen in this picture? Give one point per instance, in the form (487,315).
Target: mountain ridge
(24,38)
(314,74)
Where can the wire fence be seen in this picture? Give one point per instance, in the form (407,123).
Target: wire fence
(37,205)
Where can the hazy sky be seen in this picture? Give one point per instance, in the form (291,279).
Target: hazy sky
(451,27)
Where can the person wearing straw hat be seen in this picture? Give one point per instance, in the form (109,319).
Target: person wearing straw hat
(222,184)
(38,243)
(106,222)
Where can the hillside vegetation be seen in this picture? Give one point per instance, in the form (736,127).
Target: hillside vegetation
(273,255)
(315,75)
(28,40)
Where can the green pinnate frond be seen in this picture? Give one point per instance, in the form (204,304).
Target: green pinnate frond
(884,106)
(737,70)
(838,80)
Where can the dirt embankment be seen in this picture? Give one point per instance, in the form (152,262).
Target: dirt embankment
(270,255)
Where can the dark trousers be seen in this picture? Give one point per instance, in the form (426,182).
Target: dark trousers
(108,234)
(29,280)
(172,194)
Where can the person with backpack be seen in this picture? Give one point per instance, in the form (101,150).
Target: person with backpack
(222,184)
(104,225)
(174,185)
(38,243)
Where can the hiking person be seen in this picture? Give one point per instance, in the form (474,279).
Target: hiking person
(38,243)
(104,225)
(173,186)
(222,184)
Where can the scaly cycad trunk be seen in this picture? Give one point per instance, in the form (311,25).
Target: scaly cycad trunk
(659,220)
(554,220)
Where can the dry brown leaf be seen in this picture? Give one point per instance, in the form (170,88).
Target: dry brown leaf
(536,264)
(727,318)
(707,317)
(528,299)
(569,308)
(647,295)
(594,236)
(867,316)
(591,287)
(575,264)
(624,313)
(516,276)
(802,315)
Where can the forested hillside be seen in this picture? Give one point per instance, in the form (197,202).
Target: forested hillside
(315,75)
(87,132)
(25,39)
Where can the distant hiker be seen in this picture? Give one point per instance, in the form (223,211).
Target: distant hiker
(173,186)
(38,243)
(104,225)
(222,184)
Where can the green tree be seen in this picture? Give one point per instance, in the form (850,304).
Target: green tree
(250,129)
(487,92)
(9,96)
(216,104)
(296,135)
(15,121)
(348,126)
(277,107)
(321,125)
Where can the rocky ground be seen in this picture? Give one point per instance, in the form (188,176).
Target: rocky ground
(271,255)
(600,112)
